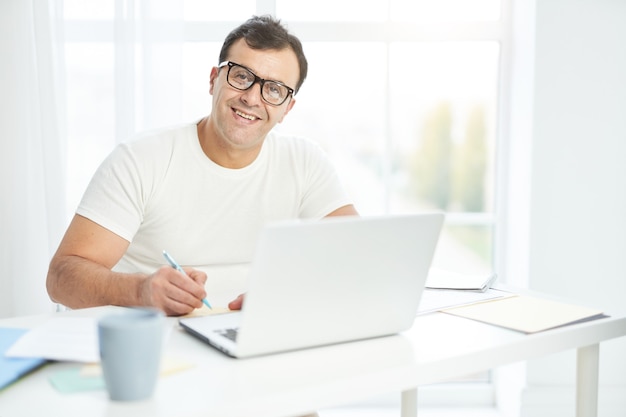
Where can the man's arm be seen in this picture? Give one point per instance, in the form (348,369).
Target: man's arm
(348,210)
(80,275)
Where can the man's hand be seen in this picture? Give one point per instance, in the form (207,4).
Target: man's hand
(237,303)
(173,292)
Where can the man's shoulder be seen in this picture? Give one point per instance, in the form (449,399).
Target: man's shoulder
(163,134)
(159,143)
(157,147)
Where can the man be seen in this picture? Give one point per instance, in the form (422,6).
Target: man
(201,191)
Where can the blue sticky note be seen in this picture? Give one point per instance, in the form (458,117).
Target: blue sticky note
(11,369)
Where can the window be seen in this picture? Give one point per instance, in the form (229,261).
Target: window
(402,94)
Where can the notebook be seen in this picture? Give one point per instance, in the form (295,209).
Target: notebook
(11,369)
(441,279)
(314,283)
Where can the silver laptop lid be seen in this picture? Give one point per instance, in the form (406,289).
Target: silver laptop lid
(338,279)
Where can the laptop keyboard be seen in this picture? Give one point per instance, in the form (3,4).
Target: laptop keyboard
(229,333)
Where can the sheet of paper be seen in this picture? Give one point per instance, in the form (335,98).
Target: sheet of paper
(71,339)
(206,311)
(526,314)
(436,300)
(61,339)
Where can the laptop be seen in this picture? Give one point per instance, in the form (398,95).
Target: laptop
(314,283)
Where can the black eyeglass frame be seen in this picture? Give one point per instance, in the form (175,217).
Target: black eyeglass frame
(257,79)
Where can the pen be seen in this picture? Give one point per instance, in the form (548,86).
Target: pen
(177,267)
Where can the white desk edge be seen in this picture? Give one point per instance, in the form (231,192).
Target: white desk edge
(299,382)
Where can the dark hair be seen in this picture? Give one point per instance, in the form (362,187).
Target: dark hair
(266,32)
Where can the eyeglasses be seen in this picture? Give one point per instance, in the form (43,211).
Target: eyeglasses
(242,78)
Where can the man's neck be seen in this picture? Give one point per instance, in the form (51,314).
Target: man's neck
(218,150)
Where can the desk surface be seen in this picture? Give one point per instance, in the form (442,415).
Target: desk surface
(438,347)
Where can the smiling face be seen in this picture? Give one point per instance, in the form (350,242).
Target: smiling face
(240,120)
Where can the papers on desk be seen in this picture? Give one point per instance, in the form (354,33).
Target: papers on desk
(526,314)
(437,300)
(442,279)
(72,339)
(11,369)
(446,289)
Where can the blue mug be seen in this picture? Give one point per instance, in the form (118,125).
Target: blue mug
(130,345)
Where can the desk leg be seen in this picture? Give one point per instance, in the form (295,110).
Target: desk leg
(409,403)
(587,381)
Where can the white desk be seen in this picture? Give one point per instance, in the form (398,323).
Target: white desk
(437,348)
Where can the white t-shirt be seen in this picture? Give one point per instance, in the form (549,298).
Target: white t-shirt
(161,192)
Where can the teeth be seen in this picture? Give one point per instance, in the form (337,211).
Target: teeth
(244,115)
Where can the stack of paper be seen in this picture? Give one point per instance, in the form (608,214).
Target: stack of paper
(441,279)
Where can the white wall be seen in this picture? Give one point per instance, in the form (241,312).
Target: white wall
(578,189)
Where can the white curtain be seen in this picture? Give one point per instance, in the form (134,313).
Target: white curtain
(32,159)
